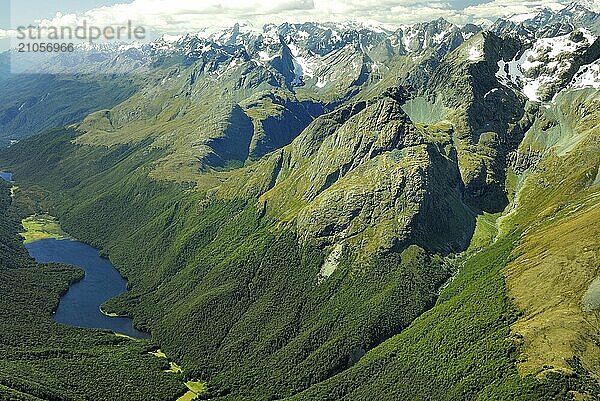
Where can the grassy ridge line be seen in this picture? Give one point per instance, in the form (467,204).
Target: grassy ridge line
(559,204)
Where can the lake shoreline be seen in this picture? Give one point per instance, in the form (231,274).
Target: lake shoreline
(81,304)
(46,242)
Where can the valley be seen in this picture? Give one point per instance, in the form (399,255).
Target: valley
(317,211)
(39,357)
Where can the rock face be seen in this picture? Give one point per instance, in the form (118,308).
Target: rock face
(416,128)
(283,76)
(278,118)
(546,23)
(372,179)
(327,172)
(354,134)
(545,68)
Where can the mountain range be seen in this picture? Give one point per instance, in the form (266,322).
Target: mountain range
(334,211)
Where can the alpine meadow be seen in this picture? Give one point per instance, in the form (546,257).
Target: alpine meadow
(307,211)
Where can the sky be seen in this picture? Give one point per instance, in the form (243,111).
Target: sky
(179,16)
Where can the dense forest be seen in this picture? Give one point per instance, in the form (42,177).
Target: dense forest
(39,358)
(460,350)
(317,211)
(257,274)
(235,302)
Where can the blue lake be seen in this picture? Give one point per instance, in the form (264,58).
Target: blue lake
(6,176)
(80,306)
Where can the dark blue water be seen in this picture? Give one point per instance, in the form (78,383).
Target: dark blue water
(80,306)
(6,176)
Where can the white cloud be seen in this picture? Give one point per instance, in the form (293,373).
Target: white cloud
(179,16)
(4,34)
(183,14)
(499,8)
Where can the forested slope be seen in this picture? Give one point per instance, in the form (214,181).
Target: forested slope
(39,359)
(405,238)
(235,297)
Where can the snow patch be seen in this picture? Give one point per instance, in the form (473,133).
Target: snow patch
(588,76)
(303,35)
(331,263)
(490,92)
(303,68)
(590,5)
(171,38)
(508,73)
(531,90)
(475,54)
(321,82)
(265,56)
(467,35)
(408,34)
(439,38)
(377,26)
(270,35)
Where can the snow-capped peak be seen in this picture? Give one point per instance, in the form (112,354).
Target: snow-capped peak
(588,76)
(592,5)
(542,71)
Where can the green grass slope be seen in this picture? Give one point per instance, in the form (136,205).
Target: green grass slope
(312,273)
(237,301)
(227,297)
(512,324)
(462,349)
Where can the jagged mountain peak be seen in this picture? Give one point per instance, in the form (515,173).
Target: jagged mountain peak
(548,65)
(545,22)
(583,5)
